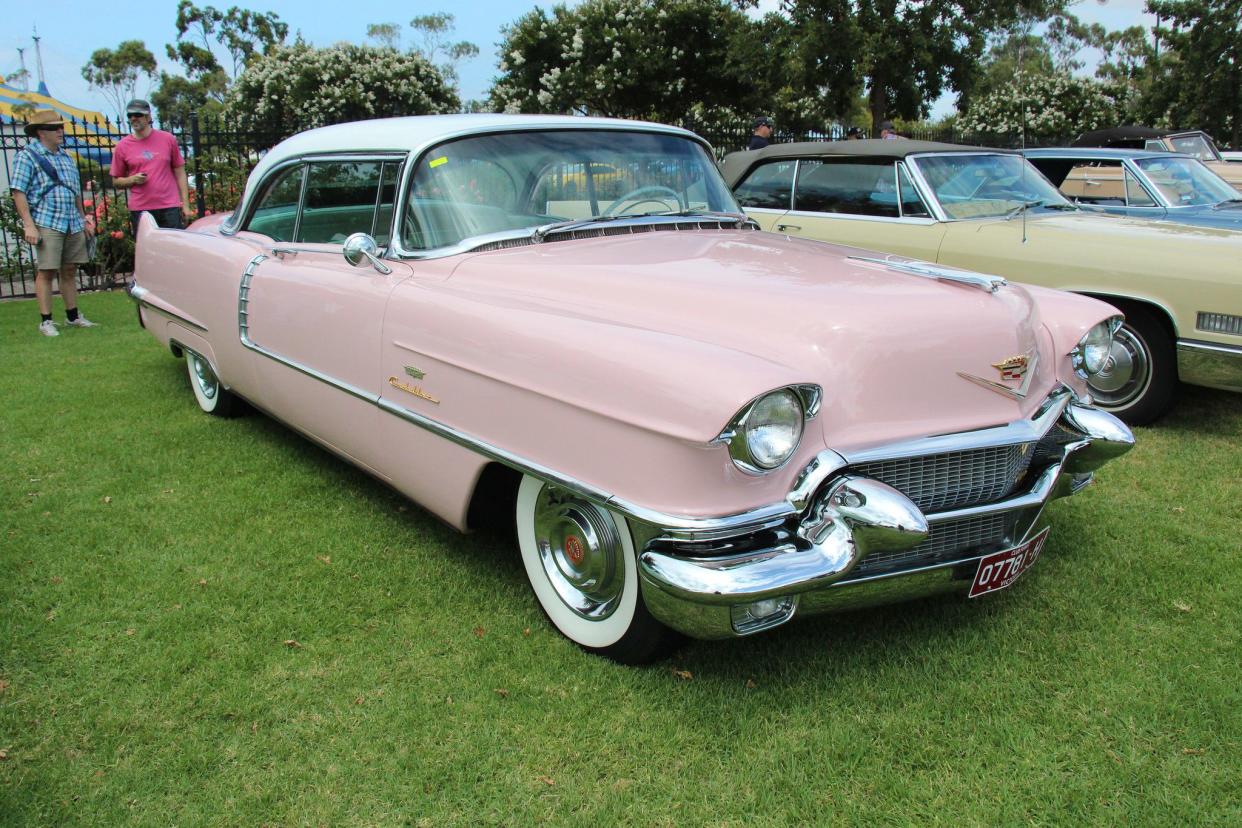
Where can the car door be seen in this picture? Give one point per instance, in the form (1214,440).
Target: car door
(863,202)
(314,318)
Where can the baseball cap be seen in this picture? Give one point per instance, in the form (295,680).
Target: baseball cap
(137,107)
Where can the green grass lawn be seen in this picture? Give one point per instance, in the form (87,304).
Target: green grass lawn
(213,622)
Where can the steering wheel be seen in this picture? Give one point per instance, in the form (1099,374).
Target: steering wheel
(644,195)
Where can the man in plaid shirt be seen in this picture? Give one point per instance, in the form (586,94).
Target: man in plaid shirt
(47,193)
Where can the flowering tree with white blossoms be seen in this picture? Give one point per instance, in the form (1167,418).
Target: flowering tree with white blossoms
(297,86)
(621,58)
(1056,105)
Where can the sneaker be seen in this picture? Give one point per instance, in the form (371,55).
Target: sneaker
(81,322)
(48,328)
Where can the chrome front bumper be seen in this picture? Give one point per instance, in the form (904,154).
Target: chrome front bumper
(732,586)
(1209,364)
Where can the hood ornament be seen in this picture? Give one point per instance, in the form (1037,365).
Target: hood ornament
(1019,369)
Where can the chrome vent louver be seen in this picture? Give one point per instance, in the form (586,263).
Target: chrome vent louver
(1219,323)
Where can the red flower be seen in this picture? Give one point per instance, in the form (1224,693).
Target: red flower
(118,234)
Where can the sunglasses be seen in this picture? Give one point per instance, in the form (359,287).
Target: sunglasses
(132,115)
(50,128)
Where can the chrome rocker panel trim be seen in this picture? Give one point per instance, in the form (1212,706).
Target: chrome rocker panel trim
(1209,364)
(851,516)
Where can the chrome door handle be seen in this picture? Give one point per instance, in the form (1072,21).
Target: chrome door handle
(788,227)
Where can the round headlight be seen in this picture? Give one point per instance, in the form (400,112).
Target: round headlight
(772,428)
(1093,349)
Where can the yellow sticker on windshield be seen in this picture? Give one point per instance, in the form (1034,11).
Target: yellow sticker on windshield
(435,162)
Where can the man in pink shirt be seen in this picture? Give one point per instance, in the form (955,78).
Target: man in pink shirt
(148,163)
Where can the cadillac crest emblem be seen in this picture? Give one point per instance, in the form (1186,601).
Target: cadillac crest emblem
(1020,369)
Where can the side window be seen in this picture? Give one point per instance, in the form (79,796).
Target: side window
(850,187)
(769,186)
(1096,182)
(277,213)
(1136,196)
(341,199)
(381,231)
(911,205)
(1154,146)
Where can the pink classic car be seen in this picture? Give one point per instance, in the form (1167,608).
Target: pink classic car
(698,427)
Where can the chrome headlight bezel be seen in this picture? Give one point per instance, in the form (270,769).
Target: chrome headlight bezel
(740,434)
(1091,353)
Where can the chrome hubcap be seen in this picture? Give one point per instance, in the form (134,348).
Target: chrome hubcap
(203,375)
(1126,373)
(581,553)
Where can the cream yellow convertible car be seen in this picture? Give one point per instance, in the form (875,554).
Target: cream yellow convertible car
(991,211)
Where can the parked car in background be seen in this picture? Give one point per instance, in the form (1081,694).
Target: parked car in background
(1194,142)
(1180,287)
(1152,185)
(694,426)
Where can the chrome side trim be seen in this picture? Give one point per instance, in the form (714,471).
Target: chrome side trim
(933,271)
(146,299)
(1210,364)
(678,527)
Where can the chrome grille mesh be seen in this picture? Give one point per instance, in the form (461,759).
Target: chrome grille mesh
(939,482)
(948,541)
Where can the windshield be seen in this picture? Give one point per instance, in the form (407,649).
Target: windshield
(984,185)
(1198,145)
(511,181)
(1185,181)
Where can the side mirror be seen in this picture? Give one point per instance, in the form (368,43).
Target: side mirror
(360,249)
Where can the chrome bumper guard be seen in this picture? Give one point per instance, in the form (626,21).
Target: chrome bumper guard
(728,587)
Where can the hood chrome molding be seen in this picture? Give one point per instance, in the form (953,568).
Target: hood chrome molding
(931,270)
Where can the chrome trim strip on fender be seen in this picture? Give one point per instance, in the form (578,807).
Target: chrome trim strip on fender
(147,299)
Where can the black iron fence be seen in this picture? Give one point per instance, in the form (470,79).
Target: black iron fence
(219,155)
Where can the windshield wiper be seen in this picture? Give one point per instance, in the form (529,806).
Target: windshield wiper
(1227,204)
(708,214)
(541,232)
(1022,208)
(1067,207)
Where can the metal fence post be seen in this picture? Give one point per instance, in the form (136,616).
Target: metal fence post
(196,150)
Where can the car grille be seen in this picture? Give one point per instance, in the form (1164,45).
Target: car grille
(954,480)
(948,541)
(939,482)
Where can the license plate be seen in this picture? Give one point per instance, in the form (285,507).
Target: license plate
(1000,569)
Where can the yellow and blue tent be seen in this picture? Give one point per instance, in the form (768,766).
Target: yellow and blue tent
(88,134)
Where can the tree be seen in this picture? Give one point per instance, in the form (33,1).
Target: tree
(241,34)
(1198,81)
(621,58)
(436,29)
(387,35)
(1043,107)
(903,54)
(297,86)
(116,73)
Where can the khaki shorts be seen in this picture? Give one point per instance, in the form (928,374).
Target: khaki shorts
(56,248)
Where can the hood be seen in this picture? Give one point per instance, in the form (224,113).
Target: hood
(704,321)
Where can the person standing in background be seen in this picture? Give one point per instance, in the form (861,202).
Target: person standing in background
(149,164)
(47,194)
(762,134)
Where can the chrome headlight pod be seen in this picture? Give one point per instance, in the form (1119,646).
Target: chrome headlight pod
(766,432)
(1091,352)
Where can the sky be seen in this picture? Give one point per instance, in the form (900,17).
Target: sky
(69,35)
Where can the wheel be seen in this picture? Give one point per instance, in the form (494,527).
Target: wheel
(651,194)
(212,397)
(1140,374)
(581,564)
